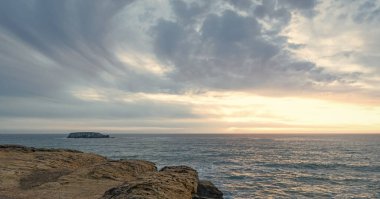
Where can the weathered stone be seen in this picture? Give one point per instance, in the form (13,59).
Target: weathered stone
(27,172)
(121,169)
(171,183)
(207,190)
(39,177)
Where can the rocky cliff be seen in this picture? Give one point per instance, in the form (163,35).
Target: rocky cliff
(27,172)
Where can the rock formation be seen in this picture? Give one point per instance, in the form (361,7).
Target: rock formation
(169,182)
(87,135)
(27,172)
(207,190)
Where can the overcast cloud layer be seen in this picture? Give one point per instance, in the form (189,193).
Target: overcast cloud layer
(141,62)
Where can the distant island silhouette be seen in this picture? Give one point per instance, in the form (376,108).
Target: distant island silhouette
(87,135)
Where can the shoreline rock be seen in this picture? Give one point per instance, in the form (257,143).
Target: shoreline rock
(206,190)
(27,172)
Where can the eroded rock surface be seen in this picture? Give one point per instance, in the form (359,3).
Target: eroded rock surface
(169,182)
(27,172)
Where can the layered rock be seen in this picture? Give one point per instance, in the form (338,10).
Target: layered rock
(169,182)
(27,172)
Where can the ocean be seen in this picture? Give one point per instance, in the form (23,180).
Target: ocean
(248,166)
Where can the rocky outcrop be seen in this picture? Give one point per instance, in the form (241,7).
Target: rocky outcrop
(87,135)
(27,172)
(169,182)
(207,190)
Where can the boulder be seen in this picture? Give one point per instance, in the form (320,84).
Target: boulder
(207,190)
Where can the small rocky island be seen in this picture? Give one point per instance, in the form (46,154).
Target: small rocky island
(87,135)
(27,172)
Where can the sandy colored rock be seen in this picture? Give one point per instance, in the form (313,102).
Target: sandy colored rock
(171,182)
(27,172)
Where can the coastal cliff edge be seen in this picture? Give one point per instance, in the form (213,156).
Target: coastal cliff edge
(27,172)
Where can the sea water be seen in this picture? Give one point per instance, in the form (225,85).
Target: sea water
(248,166)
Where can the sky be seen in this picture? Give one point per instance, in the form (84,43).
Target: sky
(174,66)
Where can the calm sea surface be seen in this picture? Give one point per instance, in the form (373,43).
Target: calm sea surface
(249,166)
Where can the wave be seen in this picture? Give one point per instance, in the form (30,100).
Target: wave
(315,166)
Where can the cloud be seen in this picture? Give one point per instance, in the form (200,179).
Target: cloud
(15,107)
(368,11)
(53,47)
(300,4)
(52,43)
(82,43)
(232,49)
(168,38)
(54,50)
(335,41)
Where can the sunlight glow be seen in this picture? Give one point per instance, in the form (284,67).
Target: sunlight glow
(243,112)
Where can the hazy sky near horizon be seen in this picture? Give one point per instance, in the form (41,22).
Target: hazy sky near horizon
(173,66)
